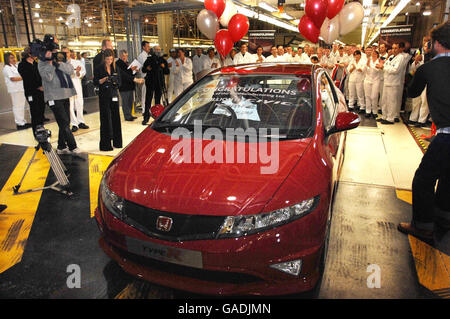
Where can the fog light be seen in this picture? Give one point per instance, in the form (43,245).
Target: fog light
(292,267)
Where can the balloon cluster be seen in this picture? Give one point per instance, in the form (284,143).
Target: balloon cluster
(329,19)
(225,13)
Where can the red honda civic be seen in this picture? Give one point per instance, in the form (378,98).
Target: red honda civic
(229,191)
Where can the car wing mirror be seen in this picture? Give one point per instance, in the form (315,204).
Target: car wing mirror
(345,121)
(156,110)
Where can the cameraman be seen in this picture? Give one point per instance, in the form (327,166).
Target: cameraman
(107,78)
(156,67)
(32,83)
(58,88)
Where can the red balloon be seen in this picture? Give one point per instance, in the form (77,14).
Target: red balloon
(308,29)
(317,11)
(216,6)
(334,7)
(238,26)
(223,42)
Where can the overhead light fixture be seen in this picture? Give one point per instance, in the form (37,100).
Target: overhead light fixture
(40,20)
(89,24)
(37,6)
(267,7)
(286,16)
(417,3)
(36,15)
(146,20)
(427,13)
(60,19)
(406,13)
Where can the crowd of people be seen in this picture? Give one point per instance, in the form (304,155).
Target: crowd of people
(374,82)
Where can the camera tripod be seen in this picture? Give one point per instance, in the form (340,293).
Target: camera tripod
(61,185)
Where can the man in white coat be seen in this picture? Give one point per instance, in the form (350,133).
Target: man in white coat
(183,72)
(393,85)
(356,70)
(76,102)
(243,56)
(372,84)
(420,111)
(274,56)
(210,62)
(171,63)
(145,45)
(197,62)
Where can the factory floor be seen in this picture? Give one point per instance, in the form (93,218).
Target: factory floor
(44,234)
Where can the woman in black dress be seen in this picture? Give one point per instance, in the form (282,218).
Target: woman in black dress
(106,77)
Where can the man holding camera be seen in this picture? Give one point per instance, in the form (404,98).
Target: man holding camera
(58,88)
(156,67)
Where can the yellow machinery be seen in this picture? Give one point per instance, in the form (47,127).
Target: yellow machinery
(13,50)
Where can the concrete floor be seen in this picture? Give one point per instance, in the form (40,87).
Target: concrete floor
(380,160)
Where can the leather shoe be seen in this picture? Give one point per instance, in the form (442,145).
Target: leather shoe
(23,127)
(396,120)
(409,229)
(83,126)
(386,122)
(74,128)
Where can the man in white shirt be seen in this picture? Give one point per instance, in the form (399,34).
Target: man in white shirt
(145,45)
(229,58)
(274,56)
(356,70)
(197,62)
(259,57)
(182,72)
(76,102)
(393,85)
(420,111)
(210,62)
(171,63)
(243,56)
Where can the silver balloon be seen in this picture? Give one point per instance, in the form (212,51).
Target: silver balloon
(330,30)
(350,17)
(208,23)
(228,13)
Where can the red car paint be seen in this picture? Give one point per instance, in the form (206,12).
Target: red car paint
(308,167)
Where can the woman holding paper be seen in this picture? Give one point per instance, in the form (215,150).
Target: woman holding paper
(107,78)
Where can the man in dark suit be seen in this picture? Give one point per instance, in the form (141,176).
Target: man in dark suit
(98,59)
(127,86)
(432,207)
(155,67)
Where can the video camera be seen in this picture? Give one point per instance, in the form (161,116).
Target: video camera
(39,48)
(42,135)
(114,80)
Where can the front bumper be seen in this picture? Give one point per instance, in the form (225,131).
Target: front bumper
(238,266)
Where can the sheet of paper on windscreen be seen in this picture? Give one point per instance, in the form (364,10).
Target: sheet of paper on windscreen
(244,109)
(135,63)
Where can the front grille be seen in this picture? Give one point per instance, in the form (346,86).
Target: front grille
(184,227)
(189,272)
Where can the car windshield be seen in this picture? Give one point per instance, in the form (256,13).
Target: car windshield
(256,101)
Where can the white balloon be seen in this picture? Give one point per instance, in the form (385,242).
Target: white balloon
(330,30)
(228,13)
(208,23)
(350,17)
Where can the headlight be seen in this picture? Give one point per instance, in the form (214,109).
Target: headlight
(237,226)
(113,203)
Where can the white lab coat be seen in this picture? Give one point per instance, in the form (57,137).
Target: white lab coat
(256,57)
(16,91)
(272,58)
(77,102)
(242,59)
(420,109)
(141,59)
(171,86)
(183,75)
(372,86)
(356,84)
(208,63)
(197,63)
(393,87)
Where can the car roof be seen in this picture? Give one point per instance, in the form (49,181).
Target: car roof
(267,68)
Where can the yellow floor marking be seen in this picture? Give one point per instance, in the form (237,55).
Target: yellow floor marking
(97,167)
(144,290)
(432,267)
(16,220)
(404,195)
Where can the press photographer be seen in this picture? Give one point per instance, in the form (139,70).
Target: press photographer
(107,78)
(58,88)
(155,67)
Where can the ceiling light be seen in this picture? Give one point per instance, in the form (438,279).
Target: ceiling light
(60,19)
(267,7)
(37,6)
(36,15)
(146,20)
(427,13)
(417,3)
(286,16)
(40,20)
(89,24)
